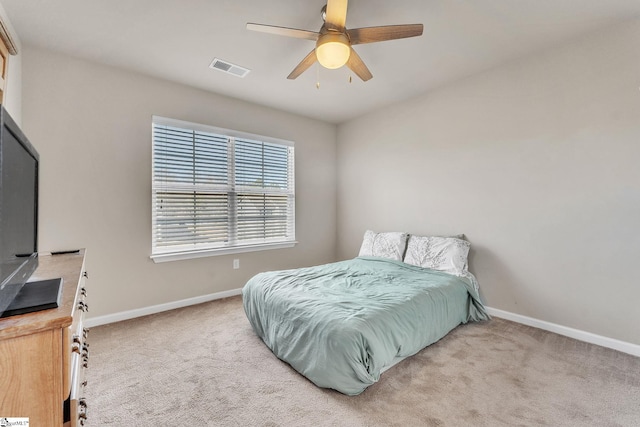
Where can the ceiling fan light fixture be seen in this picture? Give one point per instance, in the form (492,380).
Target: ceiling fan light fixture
(333,50)
(334,41)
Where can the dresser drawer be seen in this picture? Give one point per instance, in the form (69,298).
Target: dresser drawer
(75,338)
(78,405)
(78,350)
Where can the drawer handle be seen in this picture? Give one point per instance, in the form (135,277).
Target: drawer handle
(83,306)
(75,345)
(85,333)
(83,291)
(85,355)
(85,274)
(82,410)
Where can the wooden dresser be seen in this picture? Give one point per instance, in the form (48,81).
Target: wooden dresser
(43,354)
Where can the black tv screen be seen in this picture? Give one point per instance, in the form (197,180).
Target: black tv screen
(18,209)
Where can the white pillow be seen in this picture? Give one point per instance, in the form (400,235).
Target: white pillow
(447,254)
(384,245)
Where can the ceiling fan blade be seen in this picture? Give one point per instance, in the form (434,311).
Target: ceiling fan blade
(388,32)
(356,65)
(336,16)
(283,31)
(304,65)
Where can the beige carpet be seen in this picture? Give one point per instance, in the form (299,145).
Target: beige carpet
(204,366)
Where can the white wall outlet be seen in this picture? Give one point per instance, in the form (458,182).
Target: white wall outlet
(236,264)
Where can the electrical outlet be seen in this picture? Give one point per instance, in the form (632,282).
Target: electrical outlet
(236,264)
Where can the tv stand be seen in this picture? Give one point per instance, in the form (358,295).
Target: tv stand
(43,354)
(35,296)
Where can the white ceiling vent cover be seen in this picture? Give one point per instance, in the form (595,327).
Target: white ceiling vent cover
(229,68)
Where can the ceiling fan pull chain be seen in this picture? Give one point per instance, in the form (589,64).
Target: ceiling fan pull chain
(317,76)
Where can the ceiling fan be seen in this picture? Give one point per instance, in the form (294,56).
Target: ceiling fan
(334,41)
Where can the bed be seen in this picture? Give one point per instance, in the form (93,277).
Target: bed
(342,324)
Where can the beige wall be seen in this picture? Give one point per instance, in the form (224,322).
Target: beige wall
(537,161)
(92,126)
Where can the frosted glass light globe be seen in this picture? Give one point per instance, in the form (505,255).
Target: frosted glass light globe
(333,50)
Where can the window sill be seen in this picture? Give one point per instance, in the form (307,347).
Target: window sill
(177,256)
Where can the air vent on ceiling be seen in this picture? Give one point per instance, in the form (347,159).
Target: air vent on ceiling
(229,68)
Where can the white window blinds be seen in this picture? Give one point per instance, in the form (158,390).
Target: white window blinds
(217,189)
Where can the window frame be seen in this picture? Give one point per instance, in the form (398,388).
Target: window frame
(169,254)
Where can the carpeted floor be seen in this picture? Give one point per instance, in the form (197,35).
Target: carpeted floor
(204,366)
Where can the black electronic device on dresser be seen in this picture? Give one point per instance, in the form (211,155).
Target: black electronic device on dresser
(19,163)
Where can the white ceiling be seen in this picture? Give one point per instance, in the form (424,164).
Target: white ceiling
(177,40)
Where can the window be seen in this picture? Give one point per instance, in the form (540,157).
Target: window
(218,191)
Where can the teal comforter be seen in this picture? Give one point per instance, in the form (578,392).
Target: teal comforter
(340,324)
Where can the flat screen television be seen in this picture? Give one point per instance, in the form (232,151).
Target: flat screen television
(18,209)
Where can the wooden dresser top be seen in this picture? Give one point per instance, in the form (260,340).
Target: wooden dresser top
(70,268)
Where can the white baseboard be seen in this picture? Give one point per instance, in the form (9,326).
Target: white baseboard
(577,334)
(130,314)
